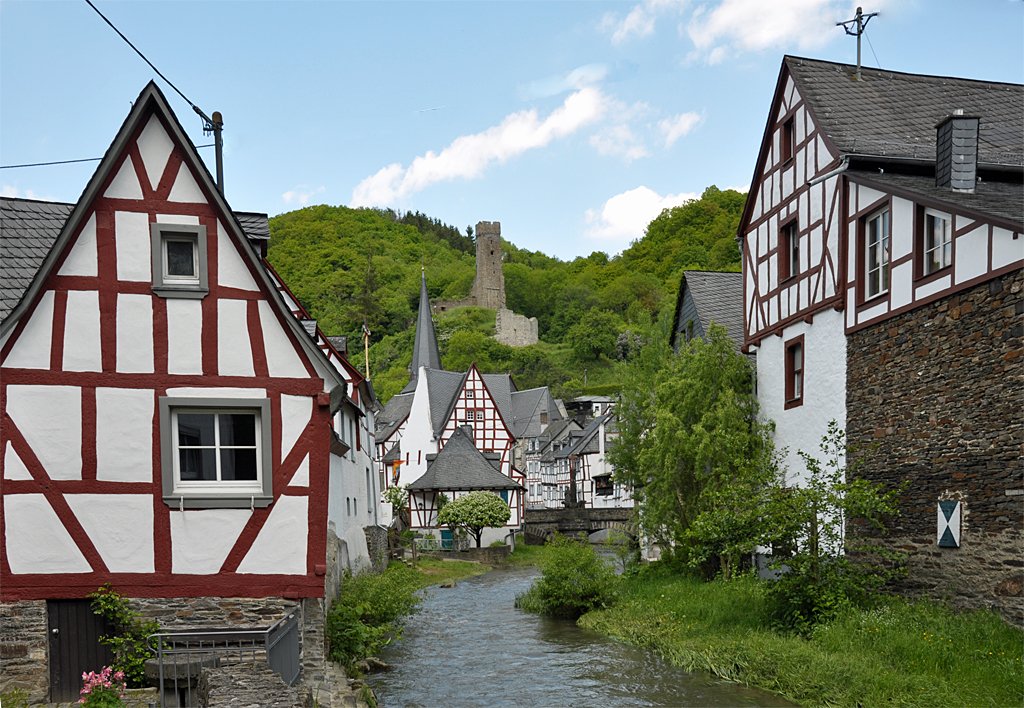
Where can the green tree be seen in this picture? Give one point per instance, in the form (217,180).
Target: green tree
(594,335)
(693,446)
(475,512)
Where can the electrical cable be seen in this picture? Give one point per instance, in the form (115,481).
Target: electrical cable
(877,63)
(68,162)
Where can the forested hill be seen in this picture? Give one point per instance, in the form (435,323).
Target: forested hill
(347,265)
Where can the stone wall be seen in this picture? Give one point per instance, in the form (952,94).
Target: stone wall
(377,547)
(515,330)
(489,283)
(938,392)
(23,648)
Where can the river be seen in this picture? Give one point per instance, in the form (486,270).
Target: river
(468,647)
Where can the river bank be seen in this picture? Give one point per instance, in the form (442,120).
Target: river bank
(902,653)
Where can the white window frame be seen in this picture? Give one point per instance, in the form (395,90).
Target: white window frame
(169,286)
(880,249)
(945,245)
(208,494)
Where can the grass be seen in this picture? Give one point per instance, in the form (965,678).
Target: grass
(528,555)
(434,571)
(900,654)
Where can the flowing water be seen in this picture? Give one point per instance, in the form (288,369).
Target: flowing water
(469,647)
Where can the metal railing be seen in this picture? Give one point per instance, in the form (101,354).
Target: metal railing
(180,657)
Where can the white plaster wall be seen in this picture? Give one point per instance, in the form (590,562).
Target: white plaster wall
(134,246)
(280,546)
(120,526)
(802,428)
(185,188)
(301,476)
(901,285)
(296,412)
(932,287)
(901,228)
(345,482)
(155,147)
(177,219)
(184,336)
(201,540)
(82,349)
(231,271)
(125,184)
(234,352)
(869,196)
(14,467)
(1005,249)
(972,254)
(282,361)
(32,348)
(50,418)
(134,333)
(82,258)
(36,540)
(873,312)
(217,392)
(124,434)
(418,436)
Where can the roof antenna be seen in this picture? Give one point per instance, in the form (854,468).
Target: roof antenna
(860,21)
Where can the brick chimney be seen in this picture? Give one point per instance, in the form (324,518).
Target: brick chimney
(956,152)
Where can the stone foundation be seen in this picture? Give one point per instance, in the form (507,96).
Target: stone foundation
(24,652)
(934,398)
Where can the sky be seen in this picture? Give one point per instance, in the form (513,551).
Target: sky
(571,123)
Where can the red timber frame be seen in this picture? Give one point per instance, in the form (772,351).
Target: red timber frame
(779,196)
(283,465)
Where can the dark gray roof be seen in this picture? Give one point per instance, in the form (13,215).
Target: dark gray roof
(28,229)
(395,411)
(894,114)
(501,387)
(460,466)
(443,386)
(526,409)
(1004,199)
(424,348)
(716,296)
(394,454)
(340,343)
(588,441)
(256,226)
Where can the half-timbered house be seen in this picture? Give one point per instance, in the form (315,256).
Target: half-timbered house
(169,426)
(882,258)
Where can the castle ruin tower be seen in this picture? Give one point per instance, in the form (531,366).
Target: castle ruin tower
(489,284)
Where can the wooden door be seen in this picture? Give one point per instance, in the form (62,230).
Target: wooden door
(74,632)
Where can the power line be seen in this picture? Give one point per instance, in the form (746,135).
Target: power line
(867,37)
(68,162)
(153,66)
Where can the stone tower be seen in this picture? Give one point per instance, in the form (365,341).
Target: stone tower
(489,284)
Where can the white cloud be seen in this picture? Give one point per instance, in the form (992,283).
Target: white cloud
(640,20)
(742,190)
(9,191)
(568,81)
(619,140)
(677,126)
(752,25)
(624,217)
(301,194)
(469,155)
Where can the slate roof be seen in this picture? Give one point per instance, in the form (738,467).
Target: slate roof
(1005,199)
(526,409)
(460,466)
(501,387)
(28,229)
(394,454)
(894,114)
(340,343)
(718,297)
(443,387)
(424,348)
(395,411)
(256,226)
(588,442)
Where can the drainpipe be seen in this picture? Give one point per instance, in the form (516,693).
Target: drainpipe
(839,170)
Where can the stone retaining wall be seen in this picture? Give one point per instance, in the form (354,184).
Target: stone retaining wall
(377,547)
(934,396)
(23,648)
(487,554)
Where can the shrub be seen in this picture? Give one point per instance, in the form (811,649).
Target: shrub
(574,581)
(130,643)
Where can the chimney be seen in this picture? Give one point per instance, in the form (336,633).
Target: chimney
(956,152)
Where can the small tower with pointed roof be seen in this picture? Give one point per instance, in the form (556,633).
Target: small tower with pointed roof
(424,350)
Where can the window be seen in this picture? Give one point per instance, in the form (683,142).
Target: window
(787,140)
(543,418)
(789,250)
(795,372)
(470,394)
(215,452)
(876,254)
(938,242)
(179,260)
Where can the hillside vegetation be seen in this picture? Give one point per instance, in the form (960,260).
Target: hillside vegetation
(348,266)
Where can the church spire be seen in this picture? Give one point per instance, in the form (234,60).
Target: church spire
(424,349)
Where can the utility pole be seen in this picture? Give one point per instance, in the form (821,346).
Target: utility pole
(215,125)
(860,21)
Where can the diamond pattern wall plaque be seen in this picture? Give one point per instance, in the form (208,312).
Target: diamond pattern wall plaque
(949,524)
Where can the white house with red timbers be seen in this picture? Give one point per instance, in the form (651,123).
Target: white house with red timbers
(169,426)
(882,261)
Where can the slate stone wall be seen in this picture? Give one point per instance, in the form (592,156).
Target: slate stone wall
(939,391)
(515,330)
(24,657)
(377,547)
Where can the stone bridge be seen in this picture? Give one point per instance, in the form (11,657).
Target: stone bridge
(540,524)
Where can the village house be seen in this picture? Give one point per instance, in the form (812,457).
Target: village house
(882,277)
(584,469)
(557,436)
(706,297)
(173,423)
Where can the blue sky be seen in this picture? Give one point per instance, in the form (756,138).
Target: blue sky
(571,123)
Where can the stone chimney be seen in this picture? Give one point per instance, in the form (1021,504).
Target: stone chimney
(956,152)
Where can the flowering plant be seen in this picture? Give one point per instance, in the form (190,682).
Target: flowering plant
(103,690)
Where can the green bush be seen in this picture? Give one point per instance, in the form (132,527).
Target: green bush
(574,581)
(130,645)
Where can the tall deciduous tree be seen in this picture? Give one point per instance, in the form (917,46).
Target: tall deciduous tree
(475,512)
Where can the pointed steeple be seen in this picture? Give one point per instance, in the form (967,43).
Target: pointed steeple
(424,349)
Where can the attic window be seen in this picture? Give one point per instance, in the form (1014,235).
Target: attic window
(543,418)
(788,139)
(179,260)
